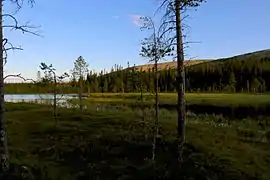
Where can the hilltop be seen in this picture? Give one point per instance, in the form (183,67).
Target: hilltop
(187,63)
(250,58)
(171,64)
(256,54)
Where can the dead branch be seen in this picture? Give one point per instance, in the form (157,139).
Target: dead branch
(162,5)
(168,24)
(26,28)
(19,3)
(6,49)
(19,76)
(167,29)
(155,47)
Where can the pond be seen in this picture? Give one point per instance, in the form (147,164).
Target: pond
(62,100)
(36,97)
(42,99)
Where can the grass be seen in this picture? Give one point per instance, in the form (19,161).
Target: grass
(111,144)
(229,105)
(217,99)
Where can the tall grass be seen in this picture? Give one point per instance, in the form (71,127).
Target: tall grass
(229,105)
(191,98)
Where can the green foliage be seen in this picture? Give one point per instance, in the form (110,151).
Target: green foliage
(156,46)
(80,68)
(49,70)
(45,67)
(191,3)
(255,85)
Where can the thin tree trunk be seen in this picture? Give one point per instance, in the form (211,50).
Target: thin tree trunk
(89,90)
(156,128)
(54,100)
(180,81)
(4,156)
(80,95)
(143,113)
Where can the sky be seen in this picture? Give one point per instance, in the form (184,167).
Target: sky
(107,32)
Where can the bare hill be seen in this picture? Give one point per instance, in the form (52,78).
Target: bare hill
(258,54)
(171,64)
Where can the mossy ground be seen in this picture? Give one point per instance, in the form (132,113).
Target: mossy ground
(117,144)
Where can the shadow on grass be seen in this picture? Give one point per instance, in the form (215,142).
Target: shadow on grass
(100,145)
(107,158)
(238,112)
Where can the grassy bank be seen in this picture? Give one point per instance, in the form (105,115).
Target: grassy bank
(112,144)
(229,105)
(218,99)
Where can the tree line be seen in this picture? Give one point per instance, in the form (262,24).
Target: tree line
(228,75)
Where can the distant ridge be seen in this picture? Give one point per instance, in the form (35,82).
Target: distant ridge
(171,64)
(261,53)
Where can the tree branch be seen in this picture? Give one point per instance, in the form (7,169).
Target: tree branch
(19,3)
(19,76)
(26,28)
(5,49)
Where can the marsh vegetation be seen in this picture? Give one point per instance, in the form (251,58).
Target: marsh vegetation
(110,141)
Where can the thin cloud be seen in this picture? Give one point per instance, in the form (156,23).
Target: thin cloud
(136,20)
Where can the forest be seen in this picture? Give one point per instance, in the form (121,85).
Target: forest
(243,73)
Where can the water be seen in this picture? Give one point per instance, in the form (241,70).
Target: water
(61,101)
(36,97)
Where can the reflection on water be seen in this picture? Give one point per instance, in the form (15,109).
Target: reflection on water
(28,97)
(62,101)
(42,99)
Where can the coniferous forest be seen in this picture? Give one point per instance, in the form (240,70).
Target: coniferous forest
(244,73)
(236,74)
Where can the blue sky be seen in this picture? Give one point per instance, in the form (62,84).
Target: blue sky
(105,32)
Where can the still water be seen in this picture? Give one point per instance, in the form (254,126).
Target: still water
(41,99)
(35,97)
(62,100)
